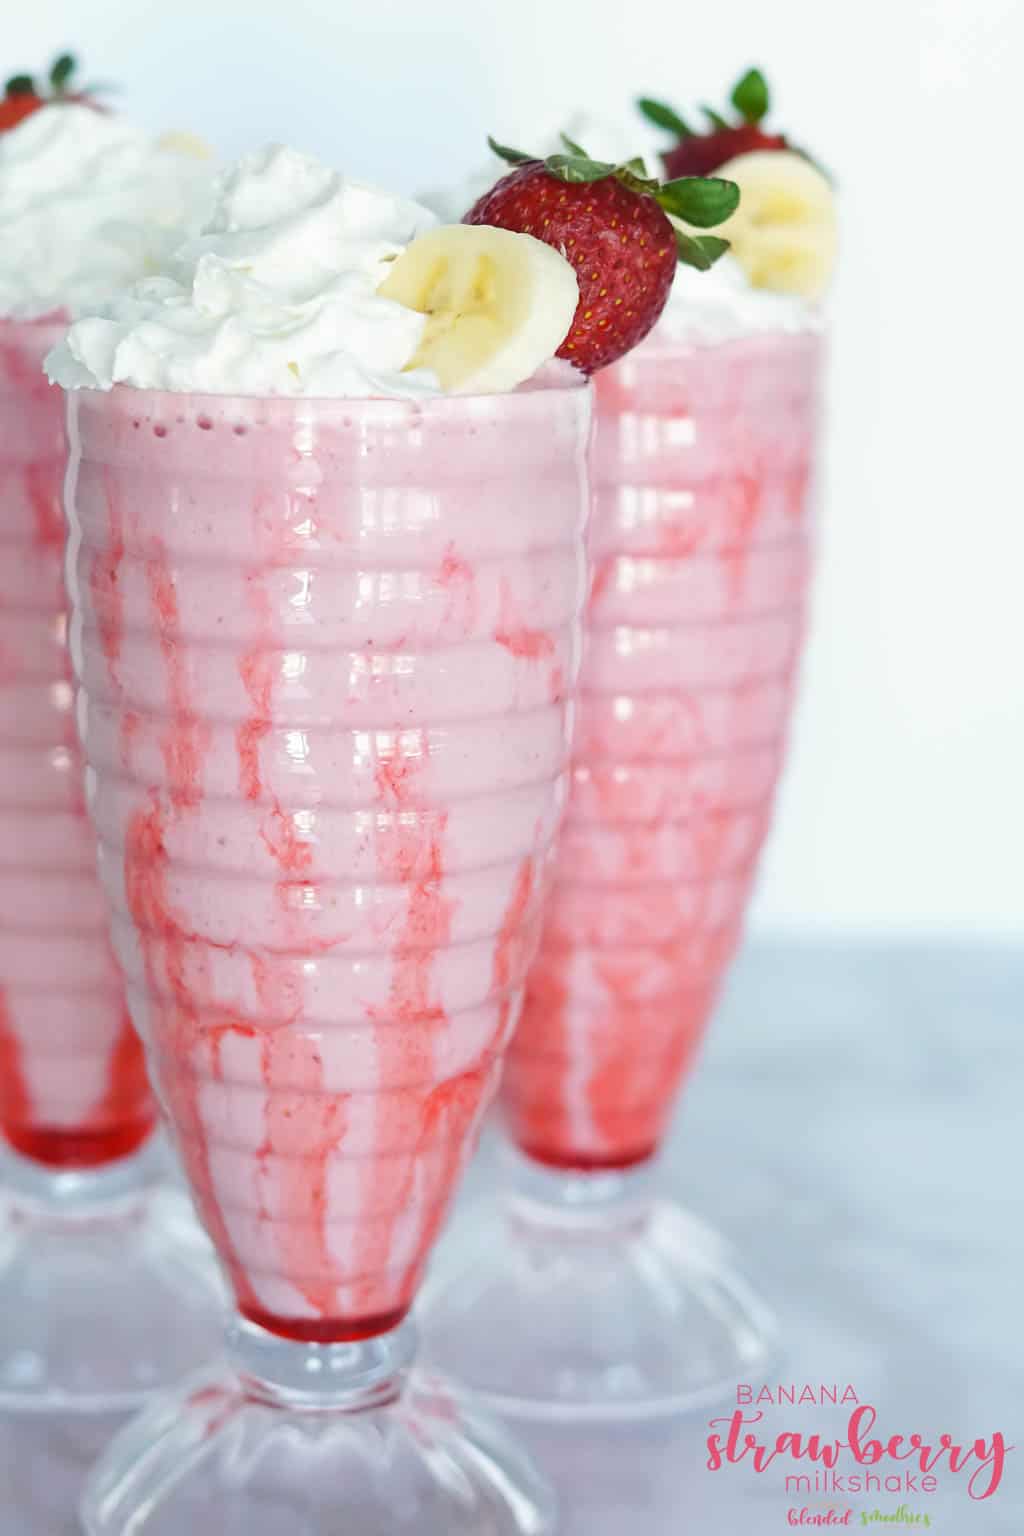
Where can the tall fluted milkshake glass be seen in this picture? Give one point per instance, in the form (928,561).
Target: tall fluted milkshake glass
(581,1292)
(326,717)
(105,1294)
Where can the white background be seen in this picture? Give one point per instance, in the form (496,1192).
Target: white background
(904,803)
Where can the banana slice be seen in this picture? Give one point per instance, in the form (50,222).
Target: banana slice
(180,143)
(784,232)
(498,304)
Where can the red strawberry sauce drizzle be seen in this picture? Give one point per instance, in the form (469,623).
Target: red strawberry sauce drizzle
(513,942)
(185,1022)
(517,636)
(126,1108)
(258,668)
(43,485)
(456,576)
(539,1113)
(105,584)
(188,738)
(15,1100)
(303,1123)
(300,1132)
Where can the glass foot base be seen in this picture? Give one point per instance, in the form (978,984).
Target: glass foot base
(108,1292)
(403,1459)
(588,1304)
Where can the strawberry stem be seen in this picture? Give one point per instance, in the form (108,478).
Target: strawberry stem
(60,74)
(751,97)
(20,85)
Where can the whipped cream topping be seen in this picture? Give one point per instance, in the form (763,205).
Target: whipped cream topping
(276,296)
(703,308)
(88,203)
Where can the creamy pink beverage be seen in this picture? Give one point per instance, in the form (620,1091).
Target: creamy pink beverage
(73,1088)
(702,471)
(325,698)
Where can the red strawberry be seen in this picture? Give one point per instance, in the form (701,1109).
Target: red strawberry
(18,104)
(706,152)
(611,223)
(699,154)
(21,96)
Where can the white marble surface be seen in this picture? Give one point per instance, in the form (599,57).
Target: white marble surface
(855,1129)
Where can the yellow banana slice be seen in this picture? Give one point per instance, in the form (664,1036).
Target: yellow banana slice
(783,233)
(498,304)
(181,143)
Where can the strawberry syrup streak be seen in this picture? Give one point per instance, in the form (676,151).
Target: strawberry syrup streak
(305,1122)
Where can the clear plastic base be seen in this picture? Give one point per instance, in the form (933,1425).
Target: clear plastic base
(290,1439)
(580,1296)
(108,1291)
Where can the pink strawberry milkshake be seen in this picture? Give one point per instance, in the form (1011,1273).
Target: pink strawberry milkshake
(702,468)
(326,681)
(85,202)
(73,1088)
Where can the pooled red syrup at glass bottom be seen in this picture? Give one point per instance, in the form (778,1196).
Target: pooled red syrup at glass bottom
(58,1148)
(95,1145)
(572,1162)
(325,1330)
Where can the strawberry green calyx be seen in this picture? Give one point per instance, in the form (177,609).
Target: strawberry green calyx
(61,72)
(666,117)
(739,130)
(702,202)
(23,95)
(751,97)
(60,83)
(58,80)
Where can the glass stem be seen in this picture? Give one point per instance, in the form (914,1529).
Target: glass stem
(335,1378)
(600,1203)
(51,1196)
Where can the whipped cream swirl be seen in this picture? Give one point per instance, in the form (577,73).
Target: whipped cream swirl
(276,296)
(705,308)
(88,204)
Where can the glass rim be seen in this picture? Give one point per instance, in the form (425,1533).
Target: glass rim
(576,384)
